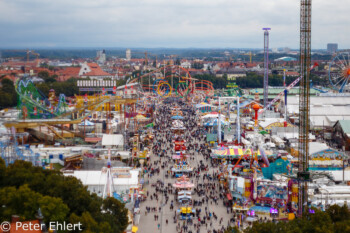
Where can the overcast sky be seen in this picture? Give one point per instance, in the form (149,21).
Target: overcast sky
(168,23)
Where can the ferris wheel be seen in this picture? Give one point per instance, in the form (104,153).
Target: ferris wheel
(339,72)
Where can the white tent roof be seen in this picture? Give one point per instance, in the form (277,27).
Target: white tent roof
(112,140)
(213,116)
(315,147)
(320,100)
(100,178)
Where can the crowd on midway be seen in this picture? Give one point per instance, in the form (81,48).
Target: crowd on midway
(212,211)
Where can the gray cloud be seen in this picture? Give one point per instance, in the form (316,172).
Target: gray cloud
(168,23)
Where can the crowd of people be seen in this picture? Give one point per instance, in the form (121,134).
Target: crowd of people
(208,199)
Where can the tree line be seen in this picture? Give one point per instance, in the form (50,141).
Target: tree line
(254,80)
(8,95)
(335,219)
(25,188)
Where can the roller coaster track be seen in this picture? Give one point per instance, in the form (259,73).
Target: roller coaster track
(60,112)
(96,104)
(22,86)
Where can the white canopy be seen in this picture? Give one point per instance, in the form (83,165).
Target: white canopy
(112,140)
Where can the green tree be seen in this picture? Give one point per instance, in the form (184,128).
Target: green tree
(44,74)
(8,92)
(117,213)
(338,213)
(53,209)
(26,202)
(2,170)
(89,224)
(24,188)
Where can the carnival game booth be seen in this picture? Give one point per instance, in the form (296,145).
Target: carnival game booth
(183,183)
(175,111)
(179,156)
(186,213)
(179,146)
(184,197)
(183,189)
(178,127)
(181,168)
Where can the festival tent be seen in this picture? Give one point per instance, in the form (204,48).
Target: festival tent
(233,153)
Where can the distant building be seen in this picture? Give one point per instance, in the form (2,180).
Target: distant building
(128,54)
(93,71)
(341,134)
(285,50)
(101,56)
(186,65)
(332,48)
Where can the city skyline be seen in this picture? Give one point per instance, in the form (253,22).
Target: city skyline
(157,23)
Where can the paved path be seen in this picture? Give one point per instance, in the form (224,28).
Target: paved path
(148,224)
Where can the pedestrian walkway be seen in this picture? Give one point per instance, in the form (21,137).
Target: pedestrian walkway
(159,210)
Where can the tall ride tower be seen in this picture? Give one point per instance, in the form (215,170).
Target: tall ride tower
(304,103)
(266,65)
